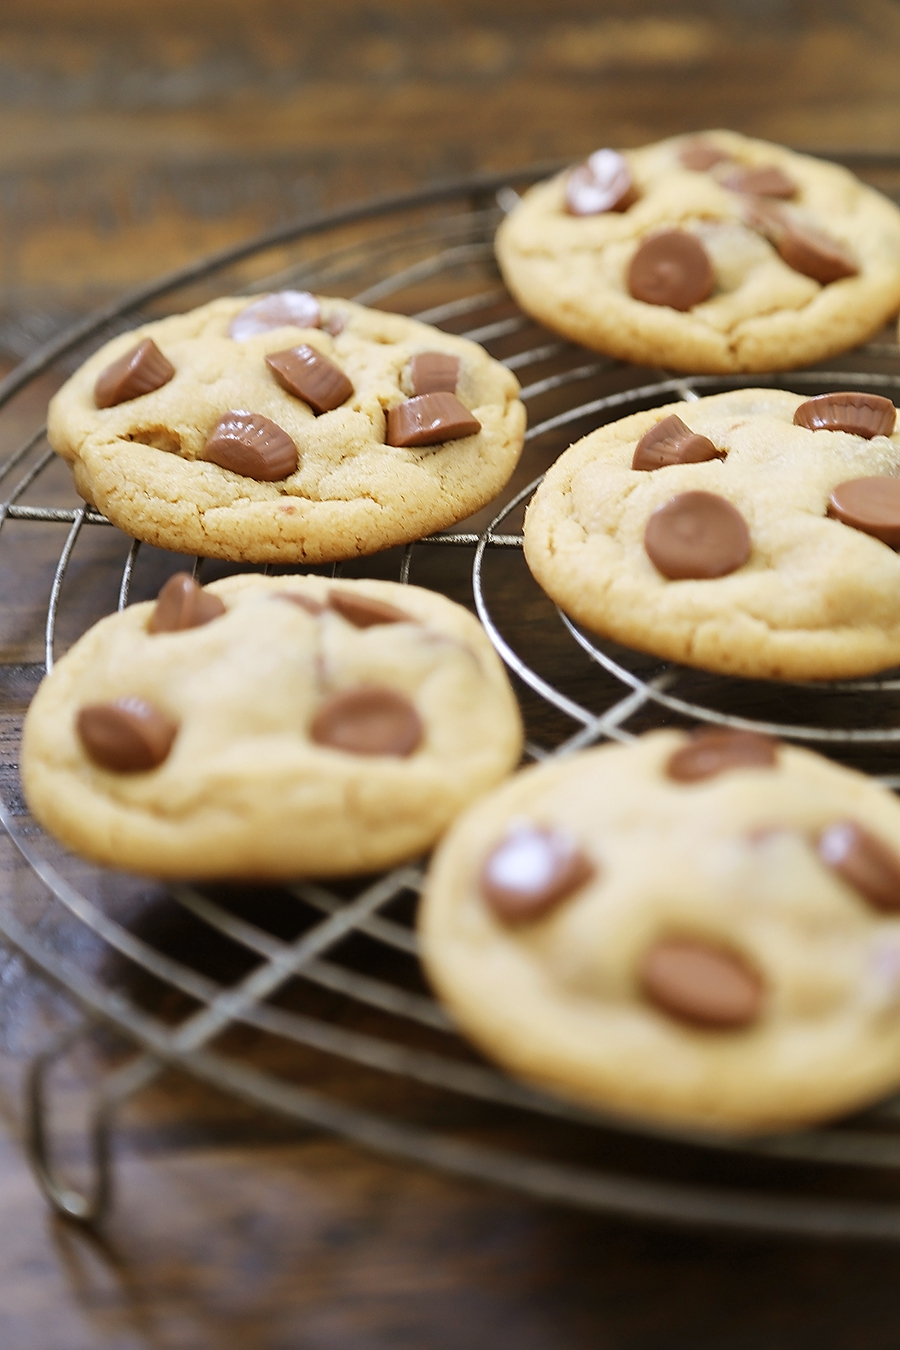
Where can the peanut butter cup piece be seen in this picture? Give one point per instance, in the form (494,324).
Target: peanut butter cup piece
(531,870)
(363,611)
(700,155)
(281,309)
(871,505)
(671,441)
(126,736)
(671,268)
(701,983)
(139,371)
(602,183)
(429,419)
(183,604)
(864,862)
(252,445)
(815,254)
(309,375)
(368,720)
(764,182)
(697,535)
(434,373)
(865,415)
(715,750)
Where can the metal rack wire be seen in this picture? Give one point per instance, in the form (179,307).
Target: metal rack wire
(336,975)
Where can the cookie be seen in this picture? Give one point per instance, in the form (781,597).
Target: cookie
(750,533)
(269,727)
(706,253)
(287,429)
(701,930)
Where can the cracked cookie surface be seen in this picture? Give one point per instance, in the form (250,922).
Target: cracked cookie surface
(141,462)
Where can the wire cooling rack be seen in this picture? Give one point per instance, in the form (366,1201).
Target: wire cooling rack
(308,1000)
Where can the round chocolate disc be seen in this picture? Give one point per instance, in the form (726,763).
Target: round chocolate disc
(701,983)
(531,870)
(671,268)
(871,505)
(715,750)
(697,536)
(128,735)
(368,720)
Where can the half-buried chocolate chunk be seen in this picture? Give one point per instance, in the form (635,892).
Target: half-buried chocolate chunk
(865,415)
(252,445)
(764,182)
(671,268)
(701,983)
(363,611)
(434,373)
(864,862)
(701,155)
(671,441)
(281,309)
(871,505)
(139,371)
(183,604)
(126,736)
(309,375)
(697,536)
(715,750)
(368,720)
(803,247)
(429,419)
(531,870)
(302,601)
(602,183)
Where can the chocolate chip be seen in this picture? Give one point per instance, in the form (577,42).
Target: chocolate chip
(139,371)
(127,736)
(715,750)
(671,268)
(697,535)
(871,505)
(434,372)
(281,309)
(252,445)
(368,720)
(430,419)
(807,250)
(671,441)
(602,183)
(309,375)
(865,415)
(864,862)
(335,324)
(531,870)
(302,601)
(363,611)
(701,983)
(183,604)
(700,155)
(765,182)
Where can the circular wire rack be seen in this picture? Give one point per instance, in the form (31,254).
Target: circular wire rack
(308,1000)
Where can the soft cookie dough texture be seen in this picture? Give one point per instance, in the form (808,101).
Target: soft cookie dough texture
(729,861)
(816,599)
(244,792)
(141,464)
(570,271)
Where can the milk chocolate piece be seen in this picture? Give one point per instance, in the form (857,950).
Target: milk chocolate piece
(302,601)
(864,862)
(865,415)
(697,535)
(368,720)
(252,445)
(871,505)
(309,375)
(700,155)
(671,441)
(126,736)
(602,183)
(335,324)
(765,182)
(815,254)
(139,371)
(434,373)
(183,604)
(715,750)
(671,268)
(701,983)
(430,419)
(281,309)
(363,611)
(531,870)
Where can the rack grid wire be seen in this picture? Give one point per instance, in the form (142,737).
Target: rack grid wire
(328,974)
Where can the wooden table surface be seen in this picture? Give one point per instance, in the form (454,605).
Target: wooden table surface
(134,139)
